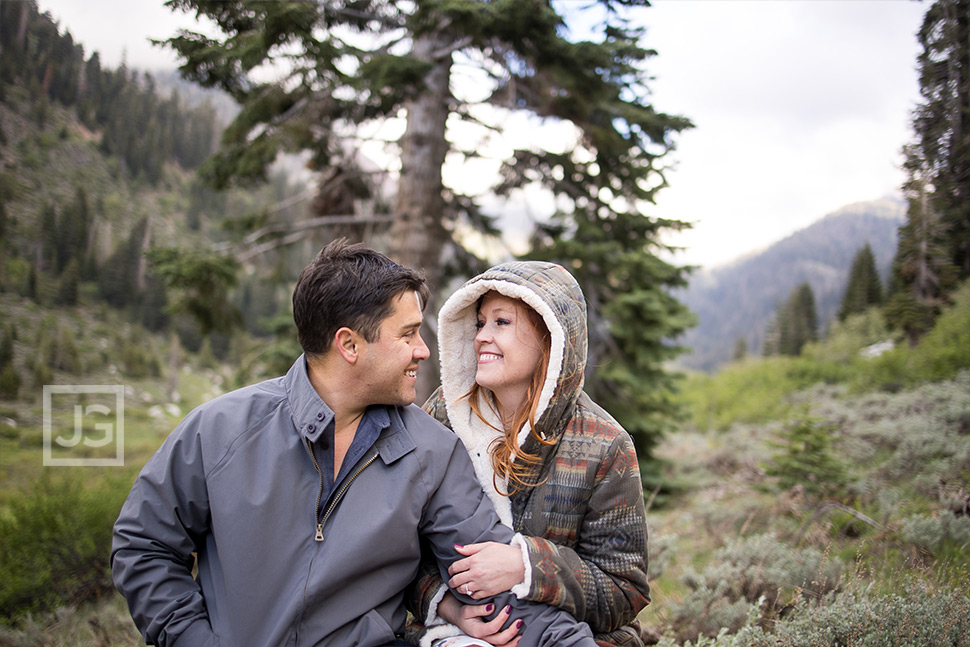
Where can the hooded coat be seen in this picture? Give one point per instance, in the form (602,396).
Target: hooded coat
(583,525)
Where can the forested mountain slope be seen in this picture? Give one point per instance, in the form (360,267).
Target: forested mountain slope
(738,300)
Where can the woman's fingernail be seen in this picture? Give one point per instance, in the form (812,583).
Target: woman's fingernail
(508,609)
(518,624)
(489,608)
(459,546)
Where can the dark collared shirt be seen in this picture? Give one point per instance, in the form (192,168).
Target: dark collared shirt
(368,429)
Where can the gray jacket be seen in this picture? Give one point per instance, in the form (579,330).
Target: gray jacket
(236,485)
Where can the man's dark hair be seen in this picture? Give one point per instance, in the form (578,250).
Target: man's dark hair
(348,285)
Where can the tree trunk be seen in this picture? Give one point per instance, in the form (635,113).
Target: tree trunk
(417,231)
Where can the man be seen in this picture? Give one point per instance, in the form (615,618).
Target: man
(306,498)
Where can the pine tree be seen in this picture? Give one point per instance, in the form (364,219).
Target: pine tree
(922,272)
(740,349)
(942,121)
(4,219)
(351,63)
(6,346)
(805,458)
(67,291)
(200,283)
(47,246)
(10,382)
(772,338)
(863,289)
(631,321)
(934,245)
(797,321)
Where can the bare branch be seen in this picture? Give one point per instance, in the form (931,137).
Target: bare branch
(297,233)
(451,49)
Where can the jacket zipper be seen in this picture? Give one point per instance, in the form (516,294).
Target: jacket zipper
(316,511)
(318,535)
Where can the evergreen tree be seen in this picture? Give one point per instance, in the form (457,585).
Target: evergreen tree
(922,273)
(32,291)
(73,227)
(117,280)
(10,382)
(200,283)
(864,289)
(942,122)
(153,304)
(6,346)
(3,221)
(631,321)
(934,245)
(350,63)
(740,349)
(68,289)
(772,339)
(47,246)
(797,321)
(805,458)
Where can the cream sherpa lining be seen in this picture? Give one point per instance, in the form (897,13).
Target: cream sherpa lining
(435,633)
(457,323)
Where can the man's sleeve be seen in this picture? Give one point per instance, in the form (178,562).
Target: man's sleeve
(458,512)
(162,523)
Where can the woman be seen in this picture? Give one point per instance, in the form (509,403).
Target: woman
(559,469)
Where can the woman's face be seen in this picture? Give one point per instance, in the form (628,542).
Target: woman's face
(508,347)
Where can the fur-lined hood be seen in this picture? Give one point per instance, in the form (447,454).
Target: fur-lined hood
(553,293)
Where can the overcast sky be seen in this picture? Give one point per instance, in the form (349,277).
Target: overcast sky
(800,106)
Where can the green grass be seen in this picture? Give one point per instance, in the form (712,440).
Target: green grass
(758,390)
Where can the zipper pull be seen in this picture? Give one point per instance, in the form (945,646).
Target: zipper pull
(319,534)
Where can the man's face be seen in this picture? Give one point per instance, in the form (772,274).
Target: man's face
(389,364)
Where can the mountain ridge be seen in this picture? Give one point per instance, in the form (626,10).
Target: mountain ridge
(736,300)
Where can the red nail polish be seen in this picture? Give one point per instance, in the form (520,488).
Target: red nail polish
(459,546)
(489,608)
(508,609)
(518,624)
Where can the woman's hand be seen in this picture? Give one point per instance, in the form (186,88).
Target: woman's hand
(488,569)
(471,620)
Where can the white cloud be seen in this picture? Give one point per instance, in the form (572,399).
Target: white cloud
(801,107)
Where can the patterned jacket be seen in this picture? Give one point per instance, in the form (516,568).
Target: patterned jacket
(584,525)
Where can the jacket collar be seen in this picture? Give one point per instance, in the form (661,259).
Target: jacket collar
(311,415)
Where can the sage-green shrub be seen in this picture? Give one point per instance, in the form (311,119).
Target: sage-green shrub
(752,572)
(56,541)
(917,616)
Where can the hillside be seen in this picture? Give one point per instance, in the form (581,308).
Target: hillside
(738,300)
(100,173)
